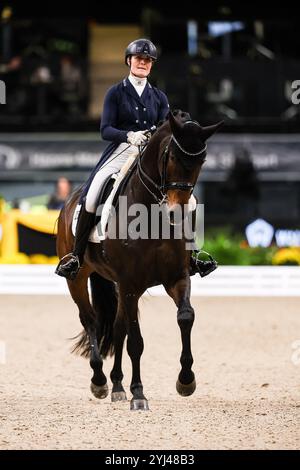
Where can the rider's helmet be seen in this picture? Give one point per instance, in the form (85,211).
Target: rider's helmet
(141,47)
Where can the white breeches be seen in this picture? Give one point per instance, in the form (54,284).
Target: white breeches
(111,166)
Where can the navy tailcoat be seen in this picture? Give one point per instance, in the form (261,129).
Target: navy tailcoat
(123,111)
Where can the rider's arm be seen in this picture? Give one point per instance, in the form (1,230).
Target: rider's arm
(109,119)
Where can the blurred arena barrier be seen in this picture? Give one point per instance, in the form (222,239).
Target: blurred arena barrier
(233,281)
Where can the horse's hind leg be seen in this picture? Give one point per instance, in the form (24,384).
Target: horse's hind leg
(87,345)
(111,329)
(180,293)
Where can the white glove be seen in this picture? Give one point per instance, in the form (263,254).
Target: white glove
(136,138)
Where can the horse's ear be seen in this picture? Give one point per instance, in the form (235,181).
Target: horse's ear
(208,131)
(174,123)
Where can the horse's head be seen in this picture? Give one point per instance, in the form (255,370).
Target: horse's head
(182,154)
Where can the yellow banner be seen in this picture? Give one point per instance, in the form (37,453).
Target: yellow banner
(45,222)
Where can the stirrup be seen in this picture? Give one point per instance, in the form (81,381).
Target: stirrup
(70,269)
(202,267)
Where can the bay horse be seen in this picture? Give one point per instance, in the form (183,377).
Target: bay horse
(121,270)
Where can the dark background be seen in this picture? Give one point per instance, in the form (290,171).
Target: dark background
(243,77)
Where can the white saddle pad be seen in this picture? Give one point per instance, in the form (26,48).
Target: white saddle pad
(95,232)
(94,235)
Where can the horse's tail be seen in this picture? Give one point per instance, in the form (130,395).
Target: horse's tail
(82,345)
(105,302)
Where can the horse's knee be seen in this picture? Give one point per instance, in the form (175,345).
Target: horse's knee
(185,316)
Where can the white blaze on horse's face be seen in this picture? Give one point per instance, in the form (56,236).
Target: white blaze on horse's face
(177,204)
(189,137)
(177,213)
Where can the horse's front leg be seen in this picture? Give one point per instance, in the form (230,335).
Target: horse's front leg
(180,293)
(116,375)
(135,346)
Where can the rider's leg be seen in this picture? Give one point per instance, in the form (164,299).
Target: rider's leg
(196,264)
(69,265)
(113,165)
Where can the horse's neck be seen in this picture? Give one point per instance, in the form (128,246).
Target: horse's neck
(149,160)
(149,164)
(136,190)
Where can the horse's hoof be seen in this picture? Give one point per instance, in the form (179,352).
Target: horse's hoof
(99,391)
(118,396)
(186,390)
(139,404)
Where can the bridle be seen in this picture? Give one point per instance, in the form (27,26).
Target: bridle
(164,185)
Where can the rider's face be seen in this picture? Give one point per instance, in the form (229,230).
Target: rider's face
(140,66)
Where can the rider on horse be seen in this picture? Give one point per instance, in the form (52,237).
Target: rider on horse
(131,108)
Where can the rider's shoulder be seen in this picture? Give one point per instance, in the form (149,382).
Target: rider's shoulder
(159,93)
(116,88)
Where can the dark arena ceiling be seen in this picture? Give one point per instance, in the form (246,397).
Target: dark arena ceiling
(131,11)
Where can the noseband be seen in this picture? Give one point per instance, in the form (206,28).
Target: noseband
(165,186)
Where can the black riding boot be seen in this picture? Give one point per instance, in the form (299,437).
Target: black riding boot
(197,265)
(69,265)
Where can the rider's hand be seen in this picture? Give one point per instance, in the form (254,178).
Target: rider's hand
(137,138)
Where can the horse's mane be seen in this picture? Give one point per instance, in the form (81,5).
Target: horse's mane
(163,130)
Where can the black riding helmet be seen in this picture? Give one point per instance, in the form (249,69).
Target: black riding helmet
(141,47)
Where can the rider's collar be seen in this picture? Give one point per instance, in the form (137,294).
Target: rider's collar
(136,81)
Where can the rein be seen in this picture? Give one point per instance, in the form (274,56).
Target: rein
(165,186)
